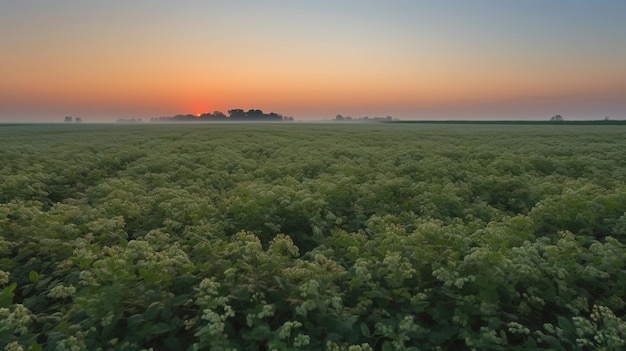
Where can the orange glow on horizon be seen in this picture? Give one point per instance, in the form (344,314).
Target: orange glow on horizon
(420,58)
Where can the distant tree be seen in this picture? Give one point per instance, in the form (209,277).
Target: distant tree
(236,113)
(78,120)
(556,118)
(68,119)
(339,118)
(273,116)
(219,114)
(255,113)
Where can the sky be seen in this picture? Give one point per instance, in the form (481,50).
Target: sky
(409,59)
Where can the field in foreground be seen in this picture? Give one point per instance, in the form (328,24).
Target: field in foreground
(296,237)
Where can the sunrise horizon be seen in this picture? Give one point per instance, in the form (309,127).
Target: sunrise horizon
(313,60)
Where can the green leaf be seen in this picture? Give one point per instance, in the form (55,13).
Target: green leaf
(6,298)
(379,293)
(365,330)
(159,328)
(61,327)
(341,327)
(277,345)
(420,306)
(565,324)
(148,275)
(172,343)
(33,276)
(180,300)
(260,332)
(135,321)
(240,293)
(152,311)
(9,289)
(554,343)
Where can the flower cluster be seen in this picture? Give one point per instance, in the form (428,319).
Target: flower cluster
(285,330)
(331,346)
(61,292)
(4,277)
(211,303)
(72,343)
(14,346)
(17,320)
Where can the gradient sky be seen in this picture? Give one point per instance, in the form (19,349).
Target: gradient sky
(524,59)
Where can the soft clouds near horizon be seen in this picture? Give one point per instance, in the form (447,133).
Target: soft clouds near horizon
(313,59)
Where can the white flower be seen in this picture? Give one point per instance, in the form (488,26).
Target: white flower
(4,277)
(301,340)
(60,291)
(14,346)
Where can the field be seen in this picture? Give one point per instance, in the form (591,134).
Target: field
(313,236)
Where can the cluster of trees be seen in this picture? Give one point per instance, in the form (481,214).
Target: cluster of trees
(341,118)
(556,118)
(310,237)
(559,118)
(70,119)
(234,115)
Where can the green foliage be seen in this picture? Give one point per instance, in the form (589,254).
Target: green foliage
(309,237)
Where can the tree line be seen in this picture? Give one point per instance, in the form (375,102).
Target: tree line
(341,118)
(238,115)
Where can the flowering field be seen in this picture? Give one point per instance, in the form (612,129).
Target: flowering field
(312,237)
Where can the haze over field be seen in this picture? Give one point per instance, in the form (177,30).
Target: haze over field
(312,60)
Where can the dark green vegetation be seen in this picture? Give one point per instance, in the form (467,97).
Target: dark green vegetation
(339,237)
